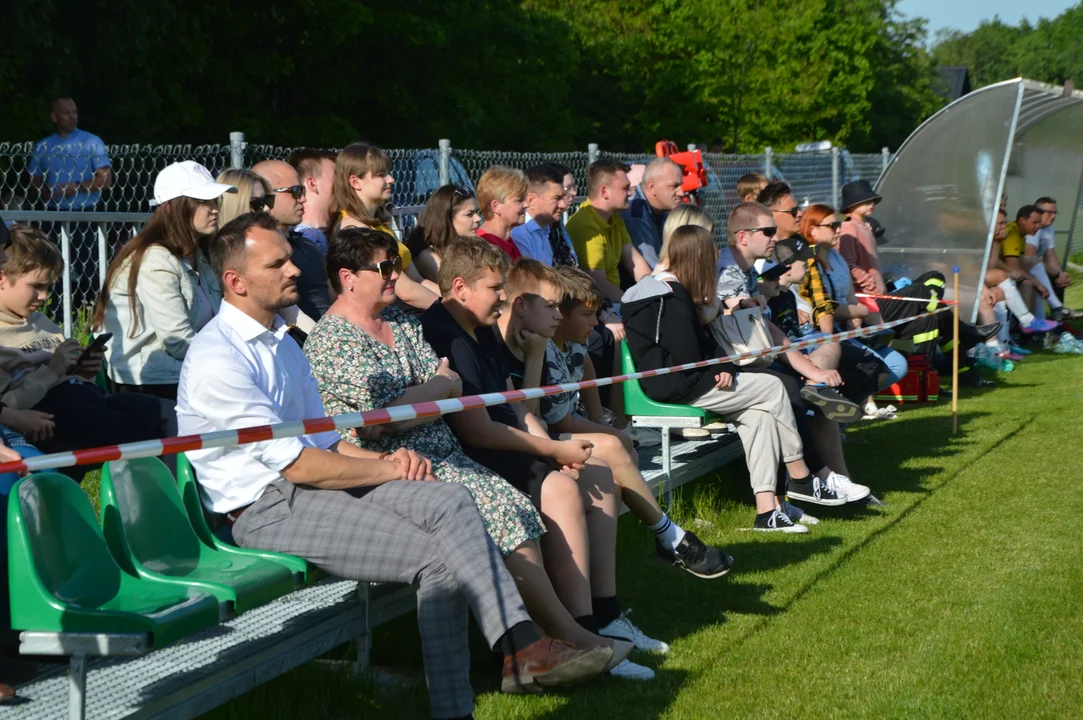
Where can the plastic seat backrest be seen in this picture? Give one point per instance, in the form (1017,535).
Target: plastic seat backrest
(636,401)
(188,487)
(52,525)
(143,518)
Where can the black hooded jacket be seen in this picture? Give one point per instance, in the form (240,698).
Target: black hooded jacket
(664,330)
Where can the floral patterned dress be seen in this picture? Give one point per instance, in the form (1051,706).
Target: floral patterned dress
(357,372)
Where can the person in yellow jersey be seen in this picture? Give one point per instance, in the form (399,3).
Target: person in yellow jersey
(601,240)
(362,195)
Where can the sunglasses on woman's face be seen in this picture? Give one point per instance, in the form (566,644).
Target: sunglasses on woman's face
(386,268)
(835,225)
(768,232)
(298,191)
(257,204)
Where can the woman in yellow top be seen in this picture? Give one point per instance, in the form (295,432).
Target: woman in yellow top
(362,194)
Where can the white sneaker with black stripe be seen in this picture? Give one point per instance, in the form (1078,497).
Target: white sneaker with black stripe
(623,629)
(847,488)
(776,521)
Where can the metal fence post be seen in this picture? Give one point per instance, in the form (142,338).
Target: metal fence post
(103,256)
(885,154)
(236,150)
(592,152)
(768,162)
(835,176)
(65,252)
(445,161)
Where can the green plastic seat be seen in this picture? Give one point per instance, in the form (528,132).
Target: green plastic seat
(304,573)
(637,403)
(64,580)
(147,529)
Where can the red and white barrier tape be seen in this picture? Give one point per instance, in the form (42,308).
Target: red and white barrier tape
(397,413)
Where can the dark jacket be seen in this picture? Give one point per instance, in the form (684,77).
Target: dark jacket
(664,330)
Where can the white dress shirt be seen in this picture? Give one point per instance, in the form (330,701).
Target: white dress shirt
(239,374)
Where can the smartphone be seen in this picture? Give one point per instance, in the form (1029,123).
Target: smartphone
(99,343)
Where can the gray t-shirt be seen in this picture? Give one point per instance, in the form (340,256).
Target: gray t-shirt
(733,282)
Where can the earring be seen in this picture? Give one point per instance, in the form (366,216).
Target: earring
(350,288)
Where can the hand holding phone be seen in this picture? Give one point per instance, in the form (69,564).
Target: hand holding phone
(95,347)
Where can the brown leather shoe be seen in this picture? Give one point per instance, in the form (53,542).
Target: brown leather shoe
(551,663)
(6,693)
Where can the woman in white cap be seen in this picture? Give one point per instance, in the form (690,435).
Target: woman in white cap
(160,290)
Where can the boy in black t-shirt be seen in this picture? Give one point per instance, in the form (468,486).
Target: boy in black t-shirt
(535,293)
(511,442)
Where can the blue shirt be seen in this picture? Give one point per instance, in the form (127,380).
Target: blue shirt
(533,241)
(644,226)
(72,159)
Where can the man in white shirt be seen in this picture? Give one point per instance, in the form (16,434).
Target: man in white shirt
(352,512)
(1040,259)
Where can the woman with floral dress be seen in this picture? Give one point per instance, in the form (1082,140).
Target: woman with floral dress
(367,354)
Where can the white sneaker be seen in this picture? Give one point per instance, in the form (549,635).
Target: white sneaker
(797,515)
(846,488)
(628,670)
(623,629)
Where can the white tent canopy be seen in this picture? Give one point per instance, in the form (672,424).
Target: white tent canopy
(942,188)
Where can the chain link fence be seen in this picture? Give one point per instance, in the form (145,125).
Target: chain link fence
(90,228)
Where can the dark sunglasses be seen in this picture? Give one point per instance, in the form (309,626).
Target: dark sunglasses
(386,268)
(298,191)
(464,193)
(833,225)
(792,212)
(257,204)
(767,231)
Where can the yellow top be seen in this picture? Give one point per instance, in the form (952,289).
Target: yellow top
(1013,244)
(404,252)
(598,242)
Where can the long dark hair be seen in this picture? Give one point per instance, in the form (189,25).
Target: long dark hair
(435,227)
(171,227)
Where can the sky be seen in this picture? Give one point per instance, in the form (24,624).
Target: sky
(966,15)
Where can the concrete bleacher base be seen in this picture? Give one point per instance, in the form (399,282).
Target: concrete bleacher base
(211,668)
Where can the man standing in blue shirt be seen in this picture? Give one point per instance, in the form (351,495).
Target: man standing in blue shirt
(71,167)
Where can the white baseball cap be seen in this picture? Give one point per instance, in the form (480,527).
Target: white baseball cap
(187,179)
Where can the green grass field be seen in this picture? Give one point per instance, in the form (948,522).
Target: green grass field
(959,599)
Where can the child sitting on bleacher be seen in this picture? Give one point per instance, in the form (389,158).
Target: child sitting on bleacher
(41,370)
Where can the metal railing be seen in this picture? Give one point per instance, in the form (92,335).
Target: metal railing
(90,235)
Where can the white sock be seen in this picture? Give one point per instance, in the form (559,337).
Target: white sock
(1015,303)
(668,532)
(1000,310)
(1040,274)
(993,342)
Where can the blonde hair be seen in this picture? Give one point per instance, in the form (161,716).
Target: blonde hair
(468,258)
(230,205)
(579,289)
(683,214)
(528,275)
(358,160)
(31,250)
(744,216)
(497,184)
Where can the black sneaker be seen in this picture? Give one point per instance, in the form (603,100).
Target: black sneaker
(776,521)
(695,557)
(1063,314)
(814,492)
(831,404)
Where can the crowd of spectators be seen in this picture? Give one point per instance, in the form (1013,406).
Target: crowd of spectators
(283,292)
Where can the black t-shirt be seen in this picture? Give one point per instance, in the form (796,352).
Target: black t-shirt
(517,367)
(480,362)
(784,313)
(314,290)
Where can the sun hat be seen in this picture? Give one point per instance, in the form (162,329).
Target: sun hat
(187,179)
(857,193)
